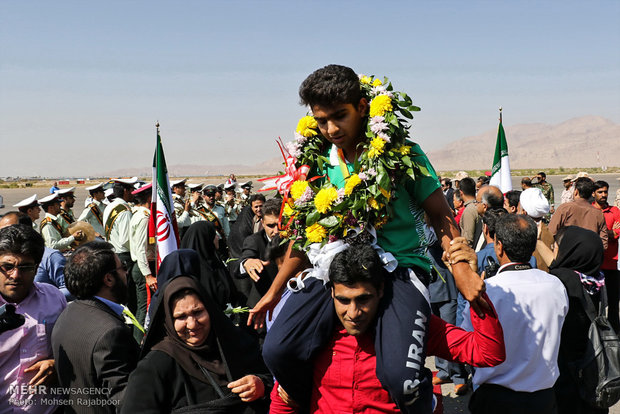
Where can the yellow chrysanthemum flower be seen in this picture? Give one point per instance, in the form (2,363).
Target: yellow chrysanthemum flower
(316,233)
(307,126)
(298,189)
(385,192)
(377,82)
(405,149)
(365,80)
(377,146)
(325,198)
(380,105)
(288,210)
(352,182)
(373,203)
(380,222)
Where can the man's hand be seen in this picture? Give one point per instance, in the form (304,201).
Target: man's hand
(249,388)
(254,267)
(79,235)
(460,251)
(286,399)
(45,372)
(188,205)
(259,313)
(151,282)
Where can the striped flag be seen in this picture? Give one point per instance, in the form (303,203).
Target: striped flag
(163,225)
(500,175)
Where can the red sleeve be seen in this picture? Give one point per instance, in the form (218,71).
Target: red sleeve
(484,347)
(277,405)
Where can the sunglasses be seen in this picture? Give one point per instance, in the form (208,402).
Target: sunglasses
(10,268)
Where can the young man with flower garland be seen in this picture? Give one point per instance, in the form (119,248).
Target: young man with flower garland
(374,178)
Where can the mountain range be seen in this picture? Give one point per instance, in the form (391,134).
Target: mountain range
(587,141)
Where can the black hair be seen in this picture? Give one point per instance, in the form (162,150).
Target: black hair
(272,207)
(483,179)
(527,181)
(513,197)
(491,217)
(119,189)
(257,197)
(22,218)
(447,182)
(601,184)
(143,196)
(458,195)
(585,187)
(357,265)
(518,234)
(96,190)
(87,266)
(468,186)
(542,174)
(275,248)
(23,240)
(331,85)
(46,206)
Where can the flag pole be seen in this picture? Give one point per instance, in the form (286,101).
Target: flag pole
(500,114)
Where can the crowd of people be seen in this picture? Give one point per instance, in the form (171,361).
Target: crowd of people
(495,286)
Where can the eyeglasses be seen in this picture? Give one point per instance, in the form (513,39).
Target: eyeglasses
(10,268)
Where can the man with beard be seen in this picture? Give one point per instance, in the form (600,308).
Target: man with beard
(610,258)
(67,200)
(93,346)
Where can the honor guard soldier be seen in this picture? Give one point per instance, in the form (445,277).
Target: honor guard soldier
(93,213)
(143,254)
(116,219)
(209,194)
(182,206)
(246,192)
(67,200)
(231,204)
(53,228)
(30,207)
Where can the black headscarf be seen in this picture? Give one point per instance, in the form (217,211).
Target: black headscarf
(579,250)
(214,276)
(176,263)
(243,227)
(227,347)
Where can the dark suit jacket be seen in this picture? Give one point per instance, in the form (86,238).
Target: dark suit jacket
(93,348)
(450,197)
(255,247)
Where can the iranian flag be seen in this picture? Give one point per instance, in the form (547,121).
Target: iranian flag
(500,176)
(163,222)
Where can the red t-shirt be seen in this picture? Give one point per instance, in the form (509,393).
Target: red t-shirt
(610,258)
(345,381)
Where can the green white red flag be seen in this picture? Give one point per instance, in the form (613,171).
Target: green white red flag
(163,225)
(500,173)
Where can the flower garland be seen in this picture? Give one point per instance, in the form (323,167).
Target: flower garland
(314,213)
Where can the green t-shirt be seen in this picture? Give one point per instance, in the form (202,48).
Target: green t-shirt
(403,235)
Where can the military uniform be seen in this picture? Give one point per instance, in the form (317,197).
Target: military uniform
(25,205)
(53,229)
(547,190)
(93,215)
(116,220)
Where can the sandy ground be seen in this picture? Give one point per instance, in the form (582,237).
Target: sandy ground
(452,402)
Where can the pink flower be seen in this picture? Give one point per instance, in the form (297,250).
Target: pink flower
(305,197)
(372,172)
(363,176)
(383,136)
(294,149)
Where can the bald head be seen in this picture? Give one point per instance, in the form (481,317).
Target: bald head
(15,217)
(489,197)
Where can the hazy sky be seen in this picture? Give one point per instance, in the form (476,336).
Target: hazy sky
(82,83)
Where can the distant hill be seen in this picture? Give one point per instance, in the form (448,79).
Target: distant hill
(588,141)
(574,143)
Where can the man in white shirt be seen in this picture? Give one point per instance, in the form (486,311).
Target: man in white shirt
(116,219)
(531,305)
(93,213)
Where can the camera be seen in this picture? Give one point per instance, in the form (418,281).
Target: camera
(9,319)
(491,267)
